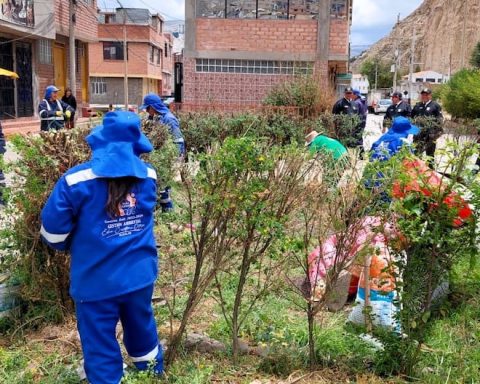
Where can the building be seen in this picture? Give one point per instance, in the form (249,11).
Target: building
(235,52)
(361,83)
(149,62)
(421,80)
(431,77)
(34,43)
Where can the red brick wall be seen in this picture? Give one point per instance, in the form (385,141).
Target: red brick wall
(339,35)
(86,19)
(231,88)
(45,76)
(138,52)
(289,36)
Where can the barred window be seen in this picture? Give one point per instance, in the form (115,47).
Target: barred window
(98,86)
(45,51)
(266,67)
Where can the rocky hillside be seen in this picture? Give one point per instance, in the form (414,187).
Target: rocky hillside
(446,30)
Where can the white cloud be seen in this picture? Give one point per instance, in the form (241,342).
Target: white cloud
(373,19)
(171,9)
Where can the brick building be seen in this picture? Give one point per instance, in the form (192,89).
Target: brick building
(34,43)
(235,52)
(149,61)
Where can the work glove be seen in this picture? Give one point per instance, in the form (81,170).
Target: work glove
(59,113)
(68,114)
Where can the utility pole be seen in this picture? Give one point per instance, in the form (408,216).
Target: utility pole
(396,56)
(412,62)
(463,34)
(125,61)
(71,34)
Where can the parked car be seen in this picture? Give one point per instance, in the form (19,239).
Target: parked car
(382,106)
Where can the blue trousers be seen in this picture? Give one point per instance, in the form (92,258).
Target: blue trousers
(97,320)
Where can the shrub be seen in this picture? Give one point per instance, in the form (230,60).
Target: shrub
(43,272)
(201,130)
(306,93)
(461,95)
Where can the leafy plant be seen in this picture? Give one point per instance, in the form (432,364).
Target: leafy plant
(461,95)
(306,93)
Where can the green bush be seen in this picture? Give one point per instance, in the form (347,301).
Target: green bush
(201,130)
(461,95)
(305,93)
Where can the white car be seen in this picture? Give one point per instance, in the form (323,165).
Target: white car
(382,106)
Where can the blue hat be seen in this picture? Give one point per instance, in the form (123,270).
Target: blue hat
(154,101)
(356,92)
(402,125)
(49,90)
(117,144)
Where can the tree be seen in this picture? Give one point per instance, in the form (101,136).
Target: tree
(461,95)
(475,59)
(384,76)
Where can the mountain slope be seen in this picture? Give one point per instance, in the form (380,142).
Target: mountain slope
(446,33)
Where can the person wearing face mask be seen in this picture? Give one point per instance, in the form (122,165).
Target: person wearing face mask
(53,111)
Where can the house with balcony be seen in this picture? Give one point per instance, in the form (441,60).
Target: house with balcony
(148,64)
(34,43)
(235,52)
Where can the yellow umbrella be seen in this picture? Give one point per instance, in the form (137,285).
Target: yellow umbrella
(4,72)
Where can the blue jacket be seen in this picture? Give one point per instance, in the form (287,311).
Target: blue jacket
(47,111)
(110,256)
(168,118)
(2,141)
(392,141)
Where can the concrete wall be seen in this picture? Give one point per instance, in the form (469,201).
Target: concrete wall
(115,93)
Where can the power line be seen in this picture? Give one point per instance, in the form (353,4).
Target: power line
(46,23)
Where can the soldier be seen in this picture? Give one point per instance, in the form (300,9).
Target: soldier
(398,108)
(346,105)
(430,130)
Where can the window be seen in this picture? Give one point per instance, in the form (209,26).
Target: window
(98,86)
(338,9)
(152,54)
(260,9)
(45,51)
(267,67)
(112,50)
(430,80)
(166,50)
(159,57)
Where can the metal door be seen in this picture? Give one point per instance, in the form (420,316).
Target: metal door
(7,85)
(24,83)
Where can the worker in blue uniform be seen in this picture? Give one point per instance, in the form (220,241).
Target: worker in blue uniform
(53,111)
(102,212)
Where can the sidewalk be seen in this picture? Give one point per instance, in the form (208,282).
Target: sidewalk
(32,125)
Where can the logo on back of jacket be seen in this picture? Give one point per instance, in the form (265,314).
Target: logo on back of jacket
(127,222)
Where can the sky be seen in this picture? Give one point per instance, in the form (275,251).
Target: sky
(372,19)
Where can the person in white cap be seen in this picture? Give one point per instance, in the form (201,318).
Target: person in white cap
(53,111)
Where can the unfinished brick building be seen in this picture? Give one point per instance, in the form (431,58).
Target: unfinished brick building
(149,57)
(236,51)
